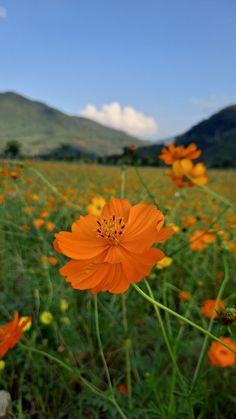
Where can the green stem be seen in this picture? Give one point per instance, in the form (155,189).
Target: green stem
(127,350)
(172,356)
(67,367)
(175,351)
(184,319)
(205,343)
(164,297)
(122,182)
(97,328)
(76,373)
(216,195)
(124,315)
(151,196)
(175,366)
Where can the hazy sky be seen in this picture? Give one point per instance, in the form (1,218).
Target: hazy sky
(153,67)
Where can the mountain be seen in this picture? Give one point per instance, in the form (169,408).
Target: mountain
(40,128)
(216,137)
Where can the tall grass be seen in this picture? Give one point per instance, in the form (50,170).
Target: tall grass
(148,340)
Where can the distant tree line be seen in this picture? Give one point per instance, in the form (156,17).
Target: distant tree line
(142,156)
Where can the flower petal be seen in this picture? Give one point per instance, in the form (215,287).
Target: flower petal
(198,170)
(117,207)
(141,229)
(138,266)
(81,274)
(71,245)
(181,167)
(114,254)
(200,180)
(116,281)
(86,227)
(164,234)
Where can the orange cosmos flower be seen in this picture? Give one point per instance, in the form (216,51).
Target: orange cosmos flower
(49,226)
(184,295)
(44,214)
(185,173)
(189,221)
(122,389)
(113,250)
(221,356)
(52,261)
(232,247)
(200,239)
(11,332)
(24,228)
(210,308)
(131,148)
(38,222)
(15,175)
(171,153)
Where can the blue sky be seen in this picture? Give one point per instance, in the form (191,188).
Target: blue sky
(171,62)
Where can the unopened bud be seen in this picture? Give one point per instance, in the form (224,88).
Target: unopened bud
(228,315)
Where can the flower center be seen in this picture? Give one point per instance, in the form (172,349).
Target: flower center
(111,229)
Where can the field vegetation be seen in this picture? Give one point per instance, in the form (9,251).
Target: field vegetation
(153,351)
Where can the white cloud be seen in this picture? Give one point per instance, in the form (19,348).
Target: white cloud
(211,103)
(126,119)
(3,12)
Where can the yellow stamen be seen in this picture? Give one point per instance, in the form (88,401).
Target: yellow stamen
(111,229)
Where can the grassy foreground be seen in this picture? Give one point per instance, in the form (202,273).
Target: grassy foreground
(111,356)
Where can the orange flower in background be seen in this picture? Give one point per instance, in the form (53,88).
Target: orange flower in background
(232,247)
(210,308)
(185,173)
(132,148)
(122,389)
(113,250)
(52,261)
(11,332)
(49,226)
(12,174)
(171,153)
(15,175)
(200,239)
(184,295)
(188,221)
(231,218)
(38,222)
(220,355)
(44,214)
(24,228)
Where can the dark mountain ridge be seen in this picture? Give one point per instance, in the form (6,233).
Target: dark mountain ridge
(216,137)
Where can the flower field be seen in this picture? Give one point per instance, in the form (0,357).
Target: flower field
(128,311)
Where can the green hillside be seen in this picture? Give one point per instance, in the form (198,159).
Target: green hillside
(216,136)
(40,128)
